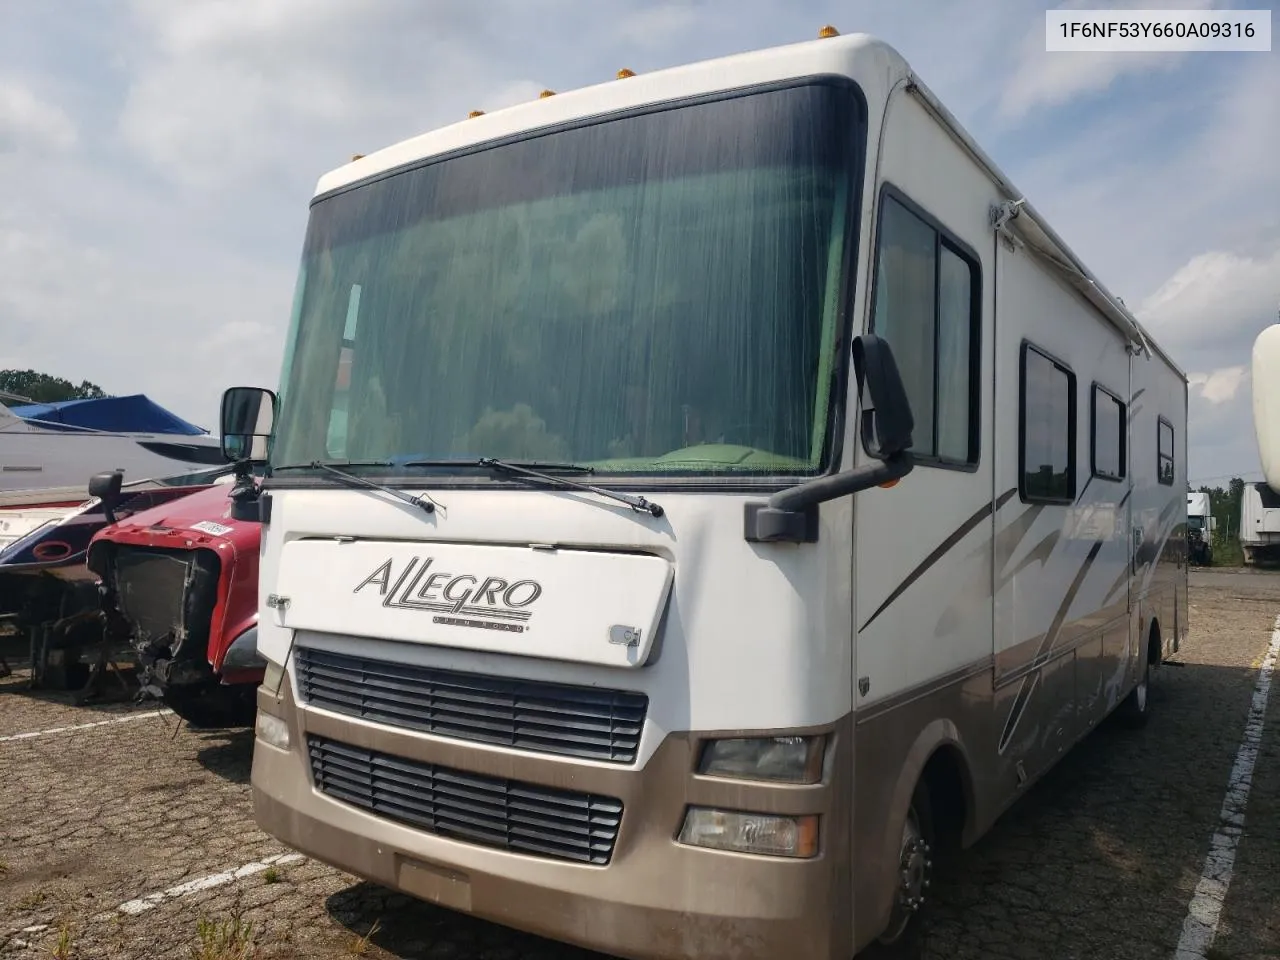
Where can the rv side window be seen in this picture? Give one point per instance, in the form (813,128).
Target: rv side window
(927,307)
(1166,452)
(1048,429)
(1108,443)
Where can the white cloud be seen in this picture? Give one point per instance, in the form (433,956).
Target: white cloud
(131,324)
(1052,79)
(1220,438)
(29,123)
(1218,387)
(1044,79)
(224,91)
(1211,309)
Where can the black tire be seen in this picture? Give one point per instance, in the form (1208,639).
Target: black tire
(904,939)
(1136,709)
(214,707)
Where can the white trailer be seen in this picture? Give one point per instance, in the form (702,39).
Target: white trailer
(1266,402)
(598,599)
(1260,502)
(1260,523)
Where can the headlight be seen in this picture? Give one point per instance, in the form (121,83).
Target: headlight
(272,731)
(783,759)
(751,832)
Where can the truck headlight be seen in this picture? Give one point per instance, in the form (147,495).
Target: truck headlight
(757,833)
(272,731)
(781,759)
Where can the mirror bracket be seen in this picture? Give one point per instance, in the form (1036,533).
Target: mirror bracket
(791,515)
(256,509)
(763,523)
(106,487)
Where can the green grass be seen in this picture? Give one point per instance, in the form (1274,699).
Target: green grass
(223,939)
(1227,553)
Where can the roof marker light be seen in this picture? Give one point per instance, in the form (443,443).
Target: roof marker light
(546,93)
(475,113)
(828,31)
(624,73)
(357,156)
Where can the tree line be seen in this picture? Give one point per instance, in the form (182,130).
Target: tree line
(20,386)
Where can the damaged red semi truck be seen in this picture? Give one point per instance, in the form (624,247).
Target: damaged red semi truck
(179,583)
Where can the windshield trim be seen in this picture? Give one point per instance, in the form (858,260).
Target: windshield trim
(591,120)
(841,366)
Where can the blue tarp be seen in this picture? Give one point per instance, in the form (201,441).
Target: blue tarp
(134,414)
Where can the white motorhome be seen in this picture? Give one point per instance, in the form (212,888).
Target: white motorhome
(1260,502)
(600,595)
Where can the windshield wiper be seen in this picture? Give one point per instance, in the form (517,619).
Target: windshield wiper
(424,501)
(488,461)
(638,503)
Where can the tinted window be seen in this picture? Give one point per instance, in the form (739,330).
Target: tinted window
(656,293)
(1048,429)
(926,307)
(1108,435)
(1166,452)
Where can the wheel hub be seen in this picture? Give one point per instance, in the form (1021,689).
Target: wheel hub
(915,872)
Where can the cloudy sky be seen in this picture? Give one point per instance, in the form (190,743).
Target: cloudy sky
(157,157)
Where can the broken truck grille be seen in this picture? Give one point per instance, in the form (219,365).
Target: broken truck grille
(151,588)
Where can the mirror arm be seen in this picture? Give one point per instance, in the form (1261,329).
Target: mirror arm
(248,500)
(106,487)
(791,515)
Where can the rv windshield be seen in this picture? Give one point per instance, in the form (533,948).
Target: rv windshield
(656,293)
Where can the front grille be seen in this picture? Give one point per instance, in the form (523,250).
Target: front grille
(150,588)
(543,717)
(166,596)
(490,811)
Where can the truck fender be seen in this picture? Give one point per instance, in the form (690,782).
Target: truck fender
(243,653)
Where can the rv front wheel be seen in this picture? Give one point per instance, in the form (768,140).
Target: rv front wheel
(901,939)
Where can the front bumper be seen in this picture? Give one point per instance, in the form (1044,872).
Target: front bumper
(655,898)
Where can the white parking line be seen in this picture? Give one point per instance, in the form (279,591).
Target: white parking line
(1201,925)
(85,726)
(153,900)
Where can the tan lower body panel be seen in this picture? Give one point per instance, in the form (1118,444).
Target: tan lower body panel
(655,898)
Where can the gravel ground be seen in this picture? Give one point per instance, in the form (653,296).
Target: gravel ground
(1099,860)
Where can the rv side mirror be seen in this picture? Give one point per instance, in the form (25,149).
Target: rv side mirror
(790,515)
(106,487)
(887,421)
(248,421)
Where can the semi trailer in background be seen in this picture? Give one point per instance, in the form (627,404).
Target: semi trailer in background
(1260,503)
(1201,528)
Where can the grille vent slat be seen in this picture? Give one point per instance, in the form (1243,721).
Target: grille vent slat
(491,811)
(540,717)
